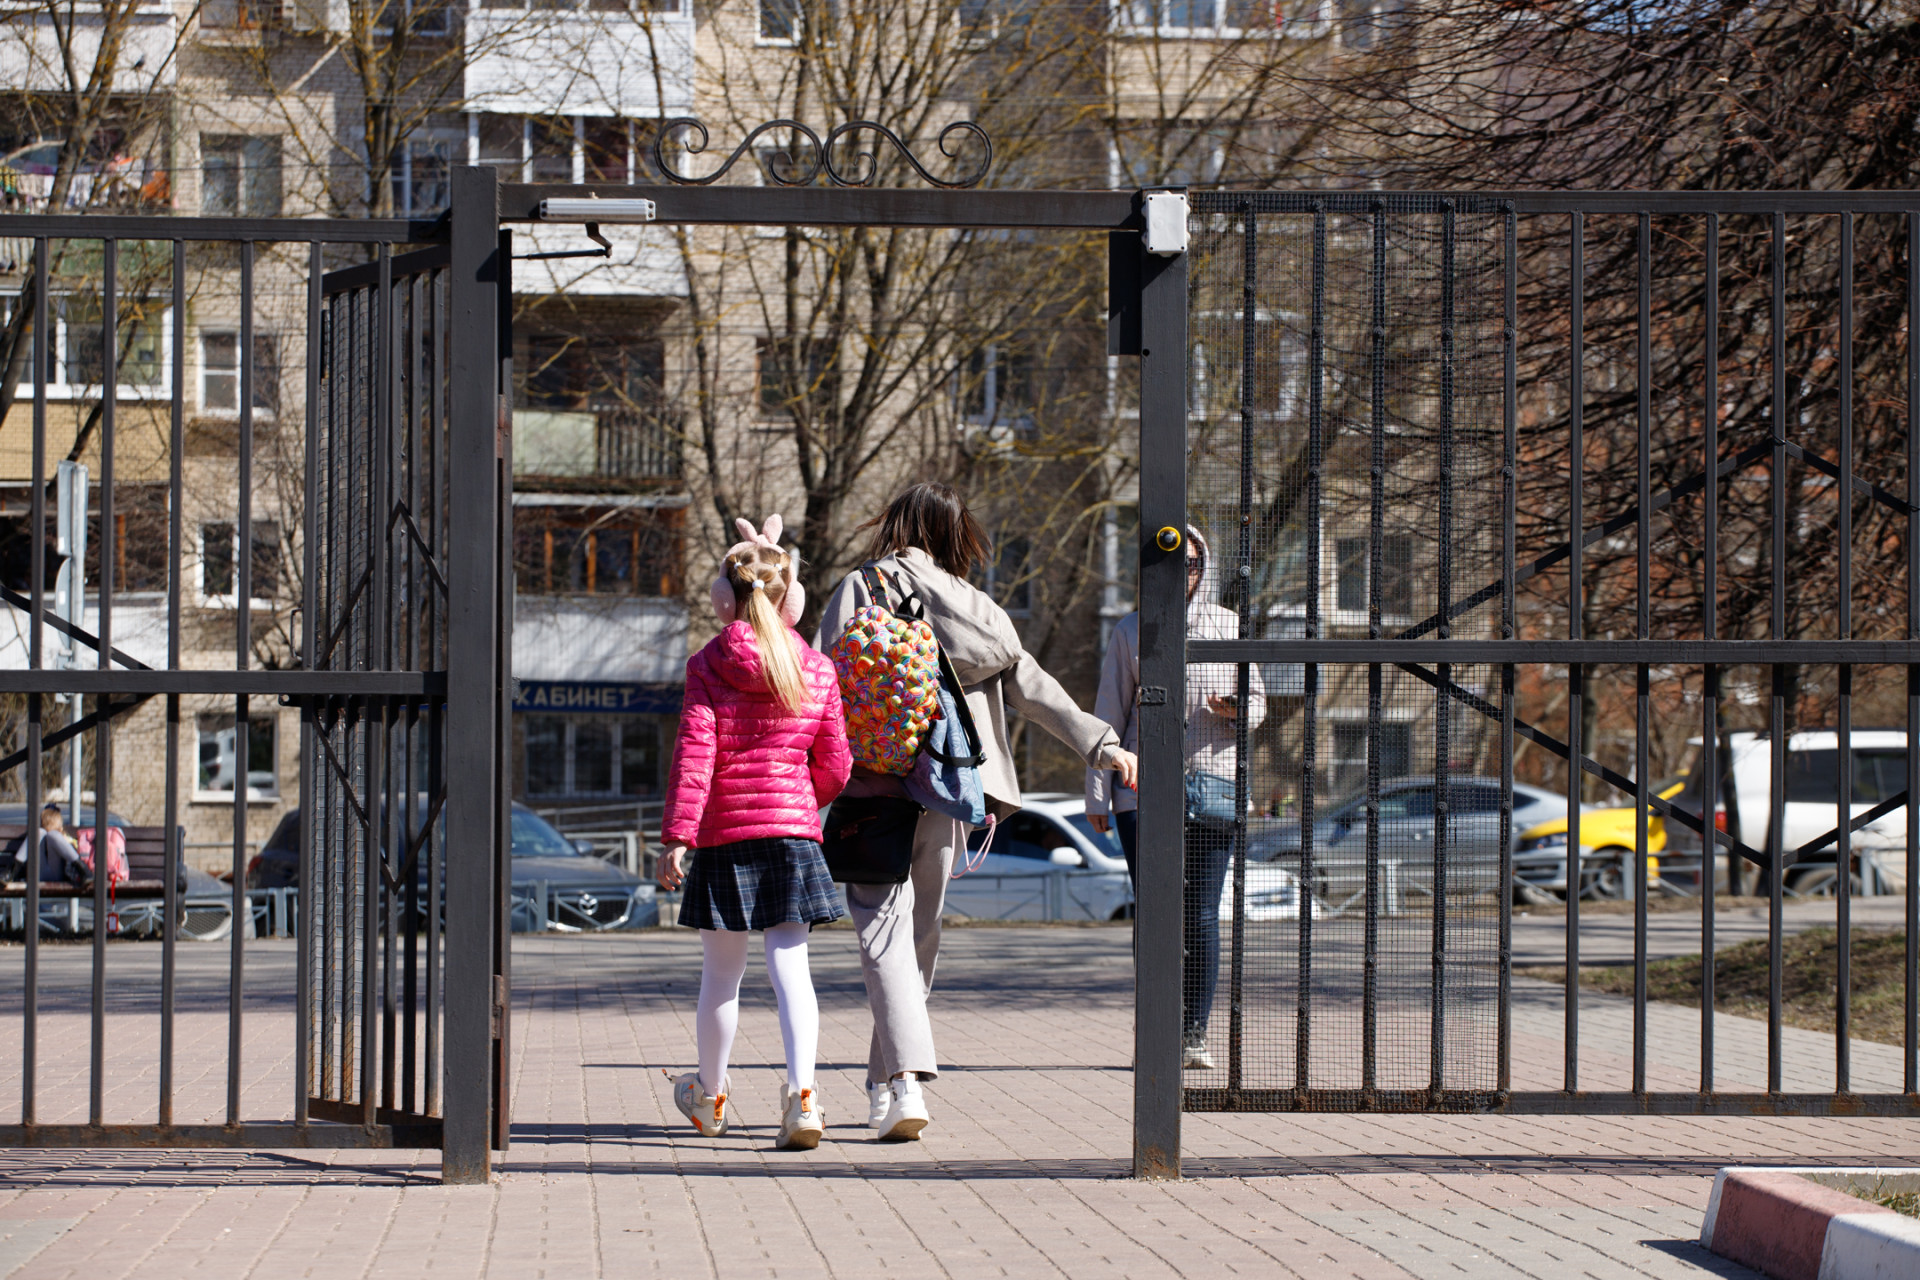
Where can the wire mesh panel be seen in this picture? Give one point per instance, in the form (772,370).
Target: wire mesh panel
(229,546)
(1621,489)
(1347,824)
(375,765)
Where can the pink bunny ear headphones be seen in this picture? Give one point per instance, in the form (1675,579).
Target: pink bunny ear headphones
(721,593)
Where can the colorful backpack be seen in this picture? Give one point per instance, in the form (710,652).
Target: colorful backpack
(889,668)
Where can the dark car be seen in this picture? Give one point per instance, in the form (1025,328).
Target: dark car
(582,893)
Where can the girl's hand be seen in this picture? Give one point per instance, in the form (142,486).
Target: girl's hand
(1127,765)
(1099,822)
(672,871)
(1225,708)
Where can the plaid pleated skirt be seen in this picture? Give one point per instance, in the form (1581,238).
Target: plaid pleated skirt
(756,884)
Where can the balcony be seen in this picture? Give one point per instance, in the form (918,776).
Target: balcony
(605,448)
(579,62)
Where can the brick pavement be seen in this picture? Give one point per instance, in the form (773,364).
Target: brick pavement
(1022,1174)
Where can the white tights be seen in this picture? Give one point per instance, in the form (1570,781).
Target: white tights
(719,1011)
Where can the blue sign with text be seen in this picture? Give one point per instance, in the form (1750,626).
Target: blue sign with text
(581,697)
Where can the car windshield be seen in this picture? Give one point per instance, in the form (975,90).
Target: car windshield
(534,837)
(1106,842)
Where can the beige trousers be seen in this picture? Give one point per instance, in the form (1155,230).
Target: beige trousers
(899,929)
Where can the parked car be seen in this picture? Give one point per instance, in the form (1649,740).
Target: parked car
(1051,834)
(1811,804)
(585,894)
(1607,836)
(1406,835)
(206,903)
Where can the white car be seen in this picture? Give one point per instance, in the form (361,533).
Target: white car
(1046,862)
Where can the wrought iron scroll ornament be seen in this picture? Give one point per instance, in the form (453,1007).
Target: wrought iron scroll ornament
(860,172)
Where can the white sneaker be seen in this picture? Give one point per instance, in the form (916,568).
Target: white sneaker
(1194,1055)
(878,1097)
(708,1112)
(803,1124)
(906,1111)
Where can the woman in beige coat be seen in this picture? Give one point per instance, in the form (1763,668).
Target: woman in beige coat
(927,542)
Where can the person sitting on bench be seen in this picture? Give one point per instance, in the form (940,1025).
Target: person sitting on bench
(59,862)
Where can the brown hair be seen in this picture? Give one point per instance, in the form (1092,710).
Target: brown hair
(930,516)
(758,578)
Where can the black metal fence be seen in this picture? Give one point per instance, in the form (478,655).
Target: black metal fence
(1467,466)
(301,460)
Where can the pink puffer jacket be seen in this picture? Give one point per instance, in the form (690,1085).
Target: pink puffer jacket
(744,767)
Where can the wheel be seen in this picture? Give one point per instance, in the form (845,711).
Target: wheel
(1822,882)
(1601,872)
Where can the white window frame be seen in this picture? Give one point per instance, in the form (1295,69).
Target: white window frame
(203,370)
(799,35)
(58,388)
(1126,15)
(569,723)
(453,146)
(254,795)
(209,600)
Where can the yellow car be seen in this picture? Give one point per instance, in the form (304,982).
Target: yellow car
(1606,842)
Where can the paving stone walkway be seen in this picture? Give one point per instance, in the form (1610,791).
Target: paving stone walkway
(1023,1173)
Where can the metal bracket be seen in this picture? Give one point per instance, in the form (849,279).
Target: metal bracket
(593,233)
(1153,695)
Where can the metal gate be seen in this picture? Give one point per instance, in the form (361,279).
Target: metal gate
(1430,466)
(389,636)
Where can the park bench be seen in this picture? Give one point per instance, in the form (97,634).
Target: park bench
(143,890)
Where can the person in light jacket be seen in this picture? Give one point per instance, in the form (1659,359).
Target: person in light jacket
(1212,712)
(926,542)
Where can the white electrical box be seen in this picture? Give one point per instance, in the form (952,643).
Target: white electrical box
(1166,232)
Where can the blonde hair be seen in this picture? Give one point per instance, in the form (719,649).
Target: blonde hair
(758,578)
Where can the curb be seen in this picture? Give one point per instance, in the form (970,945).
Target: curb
(1805,1223)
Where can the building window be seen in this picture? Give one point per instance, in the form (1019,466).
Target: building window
(605,756)
(1203,17)
(218,569)
(418,175)
(240,177)
(582,551)
(75,364)
(998,387)
(140,533)
(808,386)
(781,21)
(214,778)
(1396,575)
(220,373)
(238,15)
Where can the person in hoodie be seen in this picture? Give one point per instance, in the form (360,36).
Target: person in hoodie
(1212,713)
(762,749)
(927,542)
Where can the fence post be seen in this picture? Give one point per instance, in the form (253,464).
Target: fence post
(472,681)
(1162,318)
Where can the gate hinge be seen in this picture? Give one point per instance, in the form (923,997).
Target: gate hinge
(1153,695)
(497,1012)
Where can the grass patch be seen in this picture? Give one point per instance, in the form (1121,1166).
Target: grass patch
(1907,1202)
(1807,981)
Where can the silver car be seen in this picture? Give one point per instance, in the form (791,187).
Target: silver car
(1406,837)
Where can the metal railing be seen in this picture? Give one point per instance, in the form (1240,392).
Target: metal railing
(1331,381)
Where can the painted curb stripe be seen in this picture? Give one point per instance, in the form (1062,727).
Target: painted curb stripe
(1871,1246)
(1783,1225)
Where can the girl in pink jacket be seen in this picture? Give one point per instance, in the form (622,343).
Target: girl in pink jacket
(762,749)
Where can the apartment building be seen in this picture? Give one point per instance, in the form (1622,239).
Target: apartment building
(679,367)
